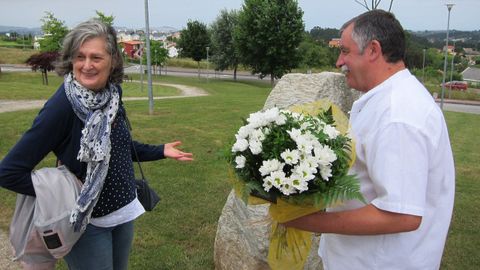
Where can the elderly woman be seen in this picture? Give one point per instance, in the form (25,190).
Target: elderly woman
(84,124)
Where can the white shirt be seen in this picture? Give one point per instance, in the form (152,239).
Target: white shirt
(405,165)
(123,215)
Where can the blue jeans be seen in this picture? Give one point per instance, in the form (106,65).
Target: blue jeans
(102,248)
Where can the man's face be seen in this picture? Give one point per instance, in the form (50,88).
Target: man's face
(352,62)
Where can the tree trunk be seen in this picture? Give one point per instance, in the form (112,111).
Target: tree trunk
(272,79)
(235,73)
(46,77)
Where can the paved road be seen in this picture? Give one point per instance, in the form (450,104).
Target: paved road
(190,72)
(17,105)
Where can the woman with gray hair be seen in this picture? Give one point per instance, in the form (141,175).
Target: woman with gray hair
(84,124)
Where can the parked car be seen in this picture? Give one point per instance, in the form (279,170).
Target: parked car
(456,85)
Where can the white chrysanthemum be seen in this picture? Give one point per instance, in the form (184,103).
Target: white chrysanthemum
(331,132)
(278,178)
(267,183)
(304,171)
(240,145)
(257,135)
(311,162)
(304,144)
(294,133)
(297,116)
(240,161)
(255,146)
(257,120)
(287,188)
(281,120)
(266,131)
(305,125)
(290,157)
(243,132)
(325,172)
(271,115)
(325,155)
(269,166)
(298,182)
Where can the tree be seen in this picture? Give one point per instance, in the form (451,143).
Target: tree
(224,44)
(54,31)
(159,54)
(268,35)
(108,20)
(44,62)
(374,4)
(193,42)
(315,54)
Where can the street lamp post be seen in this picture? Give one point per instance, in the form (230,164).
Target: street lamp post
(449,7)
(451,71)
(149,61)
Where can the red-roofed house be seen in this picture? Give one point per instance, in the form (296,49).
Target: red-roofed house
(132,48)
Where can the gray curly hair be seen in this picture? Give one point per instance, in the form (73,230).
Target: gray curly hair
(85,31)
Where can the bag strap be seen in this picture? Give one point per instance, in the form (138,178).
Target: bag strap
(129,127)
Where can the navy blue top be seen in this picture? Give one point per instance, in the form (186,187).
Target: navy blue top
(58,129)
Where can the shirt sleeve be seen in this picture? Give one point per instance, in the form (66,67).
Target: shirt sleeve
(147,152)
(397,161)
(49,129)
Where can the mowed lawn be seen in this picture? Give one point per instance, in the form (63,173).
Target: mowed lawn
(180,232)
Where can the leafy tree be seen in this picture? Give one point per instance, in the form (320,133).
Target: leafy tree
(159,54)
(44,62)
(224,44)
(268,34)
(374,4)
(324,35)
(54,31)
(315,54)
(193,42)
(108,20)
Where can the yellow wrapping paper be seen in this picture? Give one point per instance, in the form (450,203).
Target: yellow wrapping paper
(289,247)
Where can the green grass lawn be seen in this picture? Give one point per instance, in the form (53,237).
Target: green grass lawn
(180,232)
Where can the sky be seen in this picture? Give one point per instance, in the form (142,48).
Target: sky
(416,15)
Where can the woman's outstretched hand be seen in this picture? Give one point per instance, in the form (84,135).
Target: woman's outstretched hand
(170,151)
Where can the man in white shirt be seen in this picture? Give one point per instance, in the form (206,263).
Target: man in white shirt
(404,160)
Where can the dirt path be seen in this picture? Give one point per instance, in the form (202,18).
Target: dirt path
(5,253)
(17,105)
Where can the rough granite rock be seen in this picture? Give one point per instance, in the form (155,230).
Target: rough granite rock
(242,235)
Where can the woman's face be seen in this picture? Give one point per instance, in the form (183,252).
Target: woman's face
(92,64)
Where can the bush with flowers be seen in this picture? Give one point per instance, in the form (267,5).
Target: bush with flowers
(301,158)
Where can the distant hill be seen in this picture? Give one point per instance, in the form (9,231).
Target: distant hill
(38,31)
(161,29)
(436,39)
(20,30)
(434,36)
(464,39)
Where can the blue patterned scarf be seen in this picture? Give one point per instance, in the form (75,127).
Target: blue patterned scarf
(97,110)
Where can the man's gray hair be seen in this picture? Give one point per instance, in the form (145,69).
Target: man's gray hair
(383,27)
(85,31)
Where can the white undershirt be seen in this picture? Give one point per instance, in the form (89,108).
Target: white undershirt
(123,215)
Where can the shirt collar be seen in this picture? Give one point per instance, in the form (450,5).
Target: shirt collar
(394,79)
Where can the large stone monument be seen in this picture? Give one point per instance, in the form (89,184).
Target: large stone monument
(243,230)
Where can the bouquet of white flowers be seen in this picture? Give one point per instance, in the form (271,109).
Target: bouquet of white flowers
(299,157)
(299,162)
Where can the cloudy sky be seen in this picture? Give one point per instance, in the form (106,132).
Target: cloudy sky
(413,14)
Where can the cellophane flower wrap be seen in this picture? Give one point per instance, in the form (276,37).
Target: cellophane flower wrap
(298,160)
